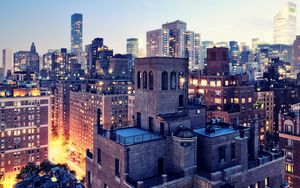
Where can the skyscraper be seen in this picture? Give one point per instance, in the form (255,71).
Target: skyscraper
(285,24)
(132,47)
(27,60)
(76,33)
(158,42)
(7,61)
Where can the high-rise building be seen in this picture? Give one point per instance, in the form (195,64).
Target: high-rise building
(27,60)
(255,42)
(173,40)
(158,43)
(76,33)
(132,47)
(296,59)
(176,37)
(98,56)
(285,24)
(7,61)
(24,127)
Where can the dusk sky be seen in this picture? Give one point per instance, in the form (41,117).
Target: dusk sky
(47,22)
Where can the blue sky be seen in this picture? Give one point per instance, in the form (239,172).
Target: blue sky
(47,22)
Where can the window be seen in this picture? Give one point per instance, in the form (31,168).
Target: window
(164,81)
(117,167)
(144,80)
(222,153)
(99,156)
(162,128)
(267,181)
(232,151)
(150,124)
(89,177)
(180,100)
(181,80)
(289,142)
(289,168)
(150,80)
(138,119)
(173,80)
(105,185)
(138,80)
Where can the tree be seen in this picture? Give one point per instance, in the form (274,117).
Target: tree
(28,171)
(45,167)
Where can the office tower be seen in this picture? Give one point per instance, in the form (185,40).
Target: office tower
(132,47)
(24,127)
(76,33)
(289,127)
(204,46)
(176,37)
(255,42)
(27,60)
(285,24)
(162,150)
(98,56)
(192,49)
(158,43)
(296,58)
(222,44)
(7,61)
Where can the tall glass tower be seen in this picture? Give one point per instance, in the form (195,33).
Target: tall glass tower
(76,33)
(285,24)
(133,47)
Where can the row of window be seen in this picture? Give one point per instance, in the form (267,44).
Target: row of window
(144,83)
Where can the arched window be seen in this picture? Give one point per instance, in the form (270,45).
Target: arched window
(138,80)
(173,81)
(164,80)
(144,80)
(150,80)
(181,80)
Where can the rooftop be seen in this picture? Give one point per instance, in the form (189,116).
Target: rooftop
(133,135)
(215,131)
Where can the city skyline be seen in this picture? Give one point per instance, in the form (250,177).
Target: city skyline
(201,17)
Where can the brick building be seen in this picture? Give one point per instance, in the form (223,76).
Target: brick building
(289,126)
(162,150)
(24,127)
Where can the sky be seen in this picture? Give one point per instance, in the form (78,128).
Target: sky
(48,22)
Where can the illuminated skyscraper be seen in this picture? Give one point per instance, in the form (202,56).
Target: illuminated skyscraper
(132,47)
(158,43)
(285,24)
(76,33)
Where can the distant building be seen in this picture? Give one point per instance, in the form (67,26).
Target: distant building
(285,24)
(158,43)
(27,60)
(24,127)
(76,33)
(7,61)
(132,47)
(289,126)
(296,58)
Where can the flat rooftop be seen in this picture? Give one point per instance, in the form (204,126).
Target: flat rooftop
(217,131)
(133,135)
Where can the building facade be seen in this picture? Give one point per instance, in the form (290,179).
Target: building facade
(7,61)
(76,33)
(132,47)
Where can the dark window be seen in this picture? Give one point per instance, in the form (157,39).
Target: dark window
(164,81)
(222,154)
(173,81)
(144,80)
(138,80)
(138,119)
(232,151)
(213,56)
(224,56)
(150,80)
(117,167)
(150,124)
(162,128)
(89,177)
(99,156)
(180,100)
(105,186)
(160,166)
